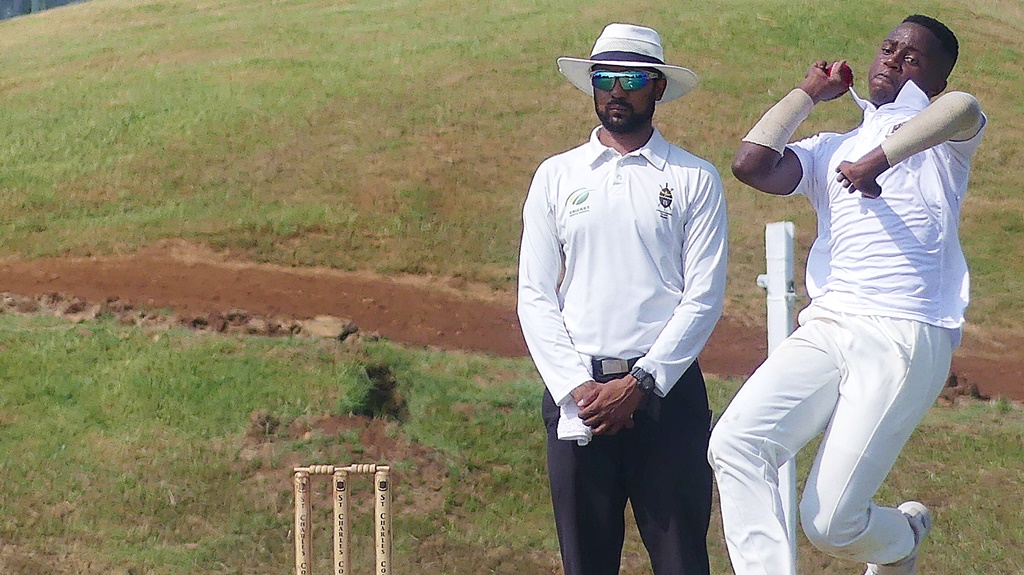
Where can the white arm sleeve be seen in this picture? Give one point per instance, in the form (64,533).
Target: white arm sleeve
(953,116)
(540,265)
(704,278)
(779,123)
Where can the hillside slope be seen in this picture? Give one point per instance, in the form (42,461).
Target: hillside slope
(401,137)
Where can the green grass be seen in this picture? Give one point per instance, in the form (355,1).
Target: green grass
(401,137)
(129,450)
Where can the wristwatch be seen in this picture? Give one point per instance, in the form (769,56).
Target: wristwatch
(644,380)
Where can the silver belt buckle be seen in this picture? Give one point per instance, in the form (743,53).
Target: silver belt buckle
(614,366)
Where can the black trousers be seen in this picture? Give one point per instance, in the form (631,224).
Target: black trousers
(660,466)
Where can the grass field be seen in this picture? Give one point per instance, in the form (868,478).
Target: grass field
(398,137)
(402,136)
(130,450)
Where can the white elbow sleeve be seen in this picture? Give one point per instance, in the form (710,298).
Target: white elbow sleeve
(953,116)
(779,123)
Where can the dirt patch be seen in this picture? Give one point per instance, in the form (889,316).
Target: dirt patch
(202,286)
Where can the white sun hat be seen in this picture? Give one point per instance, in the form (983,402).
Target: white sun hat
(631,46)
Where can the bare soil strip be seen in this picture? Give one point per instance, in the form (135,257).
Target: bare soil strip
(430,312)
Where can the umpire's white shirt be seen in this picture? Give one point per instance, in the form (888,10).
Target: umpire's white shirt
(622,256)
(897,255)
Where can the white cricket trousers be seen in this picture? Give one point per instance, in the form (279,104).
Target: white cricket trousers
(866,382)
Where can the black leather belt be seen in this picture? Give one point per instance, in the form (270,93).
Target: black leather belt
(610,366)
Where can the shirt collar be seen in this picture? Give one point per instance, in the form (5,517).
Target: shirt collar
(910,99)
(655,151)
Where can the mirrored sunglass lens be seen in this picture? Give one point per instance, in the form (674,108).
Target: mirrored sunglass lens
(633,81)
(628,80)
(603,81)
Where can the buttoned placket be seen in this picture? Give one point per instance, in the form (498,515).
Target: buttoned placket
(618,178)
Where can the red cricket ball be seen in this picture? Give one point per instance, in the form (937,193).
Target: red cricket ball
(844,72)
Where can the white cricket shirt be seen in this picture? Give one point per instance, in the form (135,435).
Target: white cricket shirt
(641,239)
(897,255)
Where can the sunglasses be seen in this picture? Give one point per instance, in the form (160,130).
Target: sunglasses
(631,80)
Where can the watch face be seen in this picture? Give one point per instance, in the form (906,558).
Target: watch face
(644,380)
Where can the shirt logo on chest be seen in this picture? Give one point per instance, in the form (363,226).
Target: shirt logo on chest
(577,202)
(665,199)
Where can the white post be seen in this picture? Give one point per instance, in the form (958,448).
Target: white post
(778,239)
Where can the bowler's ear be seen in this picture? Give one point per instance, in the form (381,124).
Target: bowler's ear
(659,88)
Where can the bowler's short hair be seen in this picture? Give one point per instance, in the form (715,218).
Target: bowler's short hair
(946,37)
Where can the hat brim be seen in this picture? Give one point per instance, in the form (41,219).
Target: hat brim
(577,70)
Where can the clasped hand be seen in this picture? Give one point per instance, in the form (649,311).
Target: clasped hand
(607,408)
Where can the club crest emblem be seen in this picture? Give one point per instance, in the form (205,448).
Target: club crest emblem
(665,196)
(665,202)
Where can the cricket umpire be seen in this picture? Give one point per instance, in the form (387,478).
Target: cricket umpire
(621,281)
(888,283)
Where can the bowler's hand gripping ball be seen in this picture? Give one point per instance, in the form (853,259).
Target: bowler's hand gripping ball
(844,72)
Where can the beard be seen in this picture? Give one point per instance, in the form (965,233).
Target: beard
(627,121)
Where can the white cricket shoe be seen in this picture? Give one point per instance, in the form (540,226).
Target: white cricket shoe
(921,522)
